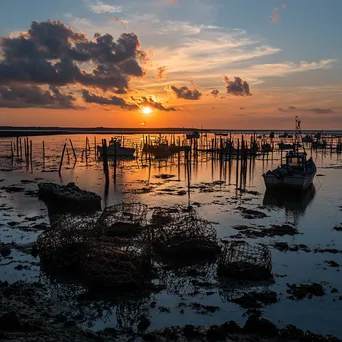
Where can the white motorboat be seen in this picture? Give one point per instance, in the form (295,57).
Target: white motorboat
(115,149)
(295,173)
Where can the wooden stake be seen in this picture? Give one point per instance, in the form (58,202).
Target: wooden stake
(61,163)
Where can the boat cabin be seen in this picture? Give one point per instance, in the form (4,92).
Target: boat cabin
(296,161)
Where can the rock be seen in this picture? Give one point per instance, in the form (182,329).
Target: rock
(10,322)
(305,291)
(230,327)
(216,333)
(5,251)
(144,323)
(191,332)
(260,326)
(69,197)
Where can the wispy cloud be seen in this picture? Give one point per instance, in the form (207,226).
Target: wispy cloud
(100,7)
(161,72)
(288,109)
(321,110)
(275,16)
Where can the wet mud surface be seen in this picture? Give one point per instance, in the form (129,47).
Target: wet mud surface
(303,237)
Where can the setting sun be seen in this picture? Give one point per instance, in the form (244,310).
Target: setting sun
(146,110)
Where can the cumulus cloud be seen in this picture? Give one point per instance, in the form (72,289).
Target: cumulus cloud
(51,53)
(238,87)
(161,72)
(149,102)
(186,93)
(215,92)
(321,110)
(34,96)
(113,100)
(288,109)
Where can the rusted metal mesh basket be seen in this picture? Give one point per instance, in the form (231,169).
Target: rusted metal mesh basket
(172,215)
(115,262)
(243,261)
(188,237)
(123,219)
(65,243)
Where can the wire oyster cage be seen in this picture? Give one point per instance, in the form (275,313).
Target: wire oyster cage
(64,244)
(241,260)
(115,262)
(123,219)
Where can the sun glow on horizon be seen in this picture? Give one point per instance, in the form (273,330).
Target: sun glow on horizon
(146,110)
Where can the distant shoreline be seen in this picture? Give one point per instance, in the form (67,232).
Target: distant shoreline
(11,131)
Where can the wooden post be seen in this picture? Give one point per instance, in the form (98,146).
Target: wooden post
(21,150)
(62,157)
(67,151)
(31,151)
(26,152)
(95,147)
(17,148)
(86,151)
(105,160)
(43,154)
(12,152)
(73,150)
(31,159)
(115,145)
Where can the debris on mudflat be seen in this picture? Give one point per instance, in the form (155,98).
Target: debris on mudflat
(203,309)
(12,188)
(123,219)
(284,247)
(251,214)
(164,176)
(305,291)
(338,228)
(177,233)
(242,261)
(5,251)
(70,197)
(332,263)
(256,300)
(275,230)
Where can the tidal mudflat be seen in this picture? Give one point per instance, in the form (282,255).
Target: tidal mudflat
(302,233)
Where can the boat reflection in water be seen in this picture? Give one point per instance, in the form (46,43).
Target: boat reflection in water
(293,202)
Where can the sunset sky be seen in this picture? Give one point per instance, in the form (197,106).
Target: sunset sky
(228,64)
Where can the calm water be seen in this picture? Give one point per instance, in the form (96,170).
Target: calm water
(214,194)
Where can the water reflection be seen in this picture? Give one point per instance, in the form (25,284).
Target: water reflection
(294,203)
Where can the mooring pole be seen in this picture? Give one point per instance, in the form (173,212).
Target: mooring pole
(62,157)
(73,150)
(43,154)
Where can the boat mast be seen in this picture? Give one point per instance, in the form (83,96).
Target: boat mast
(298,135)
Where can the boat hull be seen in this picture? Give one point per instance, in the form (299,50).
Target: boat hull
(119,152)
(289,182)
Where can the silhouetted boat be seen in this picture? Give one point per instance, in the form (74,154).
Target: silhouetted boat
(283,146)
(296,173)
(307,139)
(115,149)
(193,135)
